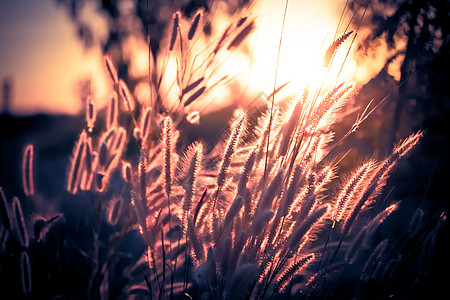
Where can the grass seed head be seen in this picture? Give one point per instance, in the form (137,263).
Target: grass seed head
(113,110)
(112,72)
(27,171)
(175,26)
(20,225)
(334,47)
(126,97)
(195,24)
(25,272)
(4,210)
(77,164)
(242,35)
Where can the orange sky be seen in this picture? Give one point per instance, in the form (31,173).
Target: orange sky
(40,51)
(42,54)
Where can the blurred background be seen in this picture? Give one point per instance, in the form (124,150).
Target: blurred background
(51,58)
(50,49)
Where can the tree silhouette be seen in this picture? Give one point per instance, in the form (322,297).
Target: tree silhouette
(419,32)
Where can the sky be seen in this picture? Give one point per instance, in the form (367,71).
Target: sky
(41,53)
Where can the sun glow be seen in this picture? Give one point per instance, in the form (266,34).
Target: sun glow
(309,29)
(253,65)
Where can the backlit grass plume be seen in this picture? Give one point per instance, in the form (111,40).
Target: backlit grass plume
(209,218)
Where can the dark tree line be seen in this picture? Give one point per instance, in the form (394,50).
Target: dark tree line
(419,32)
